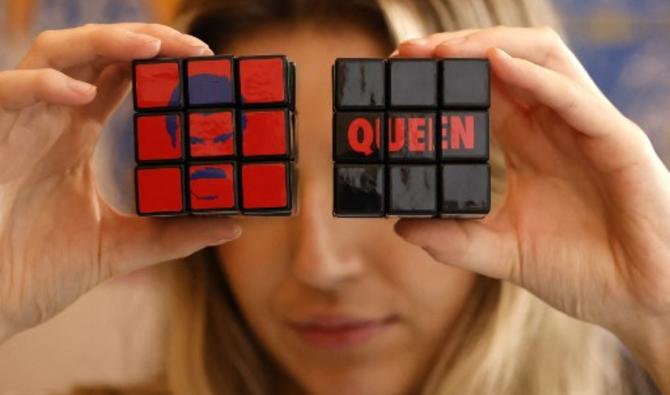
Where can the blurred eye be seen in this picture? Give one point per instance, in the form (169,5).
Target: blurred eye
(197,140)
(222,138)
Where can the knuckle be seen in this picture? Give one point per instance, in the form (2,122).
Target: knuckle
(550,34)
(157,27)
(46,77)
(570,102)
(496,30)
(436,36)
(91,26)
(45,39)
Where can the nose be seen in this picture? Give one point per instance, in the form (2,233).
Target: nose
(322,260)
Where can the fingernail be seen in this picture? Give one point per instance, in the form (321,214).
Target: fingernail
(504,55)
(417,41)
(394,54)
(187,38)
(451,42)
(144,39)
(80,87)
(232,234)
(202,50)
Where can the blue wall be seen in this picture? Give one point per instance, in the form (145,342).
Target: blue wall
(625,45)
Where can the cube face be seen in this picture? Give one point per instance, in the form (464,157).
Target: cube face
(359,84)
(266,133)
(413,190)
(266,187)
(211,133)
(411,136)
(214,135)
(435,130)
(263,80)
(466,83)
(157,85)
(466,189)
(210,82)
(160,190)
(159,137)
(213,187)
(465,136)
(358,136)
(359,190)
(413,83)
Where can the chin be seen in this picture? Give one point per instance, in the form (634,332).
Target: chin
(355,381)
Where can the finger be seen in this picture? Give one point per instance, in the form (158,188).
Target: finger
(424,47)
(468,244)
(23,88)
(62,49)
(113,85)
(139,242)
(542,46)
(606,134)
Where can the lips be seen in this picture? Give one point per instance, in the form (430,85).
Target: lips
(337,332)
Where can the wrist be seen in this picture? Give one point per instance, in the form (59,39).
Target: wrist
(649,341)
(5,332)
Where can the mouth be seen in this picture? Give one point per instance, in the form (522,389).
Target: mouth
(338,332)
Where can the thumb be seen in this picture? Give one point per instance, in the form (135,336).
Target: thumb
(469,244)
(132,243)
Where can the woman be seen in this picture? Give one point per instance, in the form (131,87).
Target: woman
(328,306)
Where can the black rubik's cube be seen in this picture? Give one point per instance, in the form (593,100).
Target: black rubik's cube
(411,137)
(214,135)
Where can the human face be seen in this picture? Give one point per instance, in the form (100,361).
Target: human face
(344,305)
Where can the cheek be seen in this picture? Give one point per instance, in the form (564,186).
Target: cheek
(433,294)
(256,263)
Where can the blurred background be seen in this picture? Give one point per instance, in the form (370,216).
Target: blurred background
(113,334)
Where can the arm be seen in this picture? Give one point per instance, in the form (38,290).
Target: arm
(58,237)
(584,222)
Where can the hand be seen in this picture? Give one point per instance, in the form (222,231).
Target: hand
(58,237)
(584,220)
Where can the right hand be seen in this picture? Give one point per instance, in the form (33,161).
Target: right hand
(58,237)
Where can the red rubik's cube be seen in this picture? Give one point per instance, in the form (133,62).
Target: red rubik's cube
(214,135)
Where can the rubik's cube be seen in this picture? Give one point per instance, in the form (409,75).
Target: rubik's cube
(214,135)
(411,137)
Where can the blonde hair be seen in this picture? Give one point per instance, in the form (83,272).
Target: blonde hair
(509,342)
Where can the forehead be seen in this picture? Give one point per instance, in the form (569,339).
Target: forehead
(309,45)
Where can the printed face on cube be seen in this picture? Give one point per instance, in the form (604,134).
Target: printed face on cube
(211,133)
(210,81)
(225,147)
(212,187)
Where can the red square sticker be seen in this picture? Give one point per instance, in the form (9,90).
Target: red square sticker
(265,133)
(212,186)
(262,80)
(160,190)
(157,85)
(159,137)
(264,185)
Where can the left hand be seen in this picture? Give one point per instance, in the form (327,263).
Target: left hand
(585,220)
